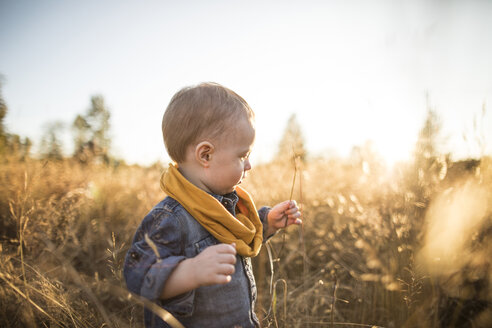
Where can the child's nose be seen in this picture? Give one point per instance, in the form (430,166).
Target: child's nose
(247,165)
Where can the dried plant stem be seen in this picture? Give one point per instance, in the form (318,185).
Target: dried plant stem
(293,182)
(335,286)
(274,301)
(156,309)
(270,259)
(301,240)
(79,281)
(351,324)
(25,295)
(290,199)
(21,217)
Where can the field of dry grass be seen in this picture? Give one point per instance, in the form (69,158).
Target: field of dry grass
(378,248)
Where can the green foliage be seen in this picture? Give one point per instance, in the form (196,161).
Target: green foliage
(92,133)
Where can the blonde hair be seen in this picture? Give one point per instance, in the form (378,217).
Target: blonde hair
(205,110)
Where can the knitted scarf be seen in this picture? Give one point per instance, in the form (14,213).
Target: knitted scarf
(245,229)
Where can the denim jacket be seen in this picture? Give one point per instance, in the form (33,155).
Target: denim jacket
(177,236)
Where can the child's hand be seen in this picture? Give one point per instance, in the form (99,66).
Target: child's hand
(282,215)
(215,264)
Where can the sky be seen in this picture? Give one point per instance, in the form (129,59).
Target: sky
(351,71)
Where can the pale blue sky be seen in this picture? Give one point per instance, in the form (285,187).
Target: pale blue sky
(350,70)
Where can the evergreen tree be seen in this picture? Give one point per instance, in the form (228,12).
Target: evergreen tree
(51,145)
(292,143)
(429,165)
(427,146)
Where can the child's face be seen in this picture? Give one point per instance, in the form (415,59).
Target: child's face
(230,160)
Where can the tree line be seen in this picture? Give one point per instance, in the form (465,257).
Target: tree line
(90,131)
(92,140)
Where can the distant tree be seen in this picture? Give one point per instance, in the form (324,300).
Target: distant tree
(428,140)
(18,148)
(11,145)
(91,132)
(3,113)
(51,145)
(429,164)
(98,120)
(292,143)
(81,132)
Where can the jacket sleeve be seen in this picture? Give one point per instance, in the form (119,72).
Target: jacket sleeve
(156,250)
(263,214)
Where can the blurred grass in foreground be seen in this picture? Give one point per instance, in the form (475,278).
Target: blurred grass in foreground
(406,248)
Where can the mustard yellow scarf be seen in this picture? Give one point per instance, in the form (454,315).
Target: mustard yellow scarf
(245,229)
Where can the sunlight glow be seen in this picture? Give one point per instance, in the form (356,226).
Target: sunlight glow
(453,220)
(351,72)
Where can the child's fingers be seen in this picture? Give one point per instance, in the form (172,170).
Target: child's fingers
(295,218)
(292,210)
(292,203)
(226,269)
(222,279)
(224,273)
(285,205)
(226,258)
(226,248)
(294,215)
(291,207)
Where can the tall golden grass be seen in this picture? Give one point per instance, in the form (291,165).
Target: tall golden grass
(378,248)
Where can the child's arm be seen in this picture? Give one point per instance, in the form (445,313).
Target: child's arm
(157,252)
(283,215)
(214,265)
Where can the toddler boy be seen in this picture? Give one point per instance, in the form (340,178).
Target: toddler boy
(192,253)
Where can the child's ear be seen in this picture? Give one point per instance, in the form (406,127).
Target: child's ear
(203,153)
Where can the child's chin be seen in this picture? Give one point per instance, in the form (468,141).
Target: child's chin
(227,191)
